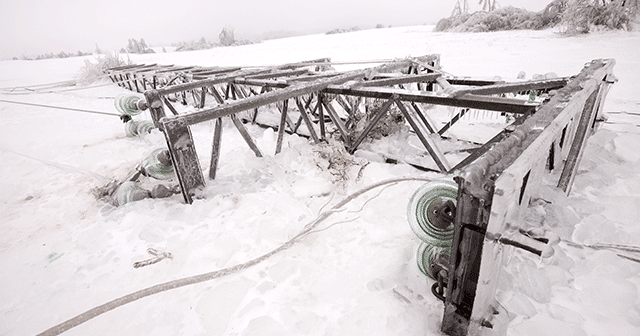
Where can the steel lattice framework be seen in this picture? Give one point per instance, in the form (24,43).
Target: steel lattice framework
(495,181)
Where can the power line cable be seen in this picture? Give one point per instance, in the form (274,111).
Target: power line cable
(61,108)
(308,229)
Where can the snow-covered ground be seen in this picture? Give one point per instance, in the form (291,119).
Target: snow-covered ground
(63,252)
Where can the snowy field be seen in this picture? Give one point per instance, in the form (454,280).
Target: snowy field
(62,252)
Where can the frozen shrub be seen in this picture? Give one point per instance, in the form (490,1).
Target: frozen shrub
(581,15)
(447,24)
(201,44)
(575,16)
(507,18)
(551,15)
(333,158)
(391,122)
(94,71)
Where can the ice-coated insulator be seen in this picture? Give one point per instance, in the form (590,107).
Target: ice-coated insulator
(158,165)
(431,211)
(128,192)
(430,258)
(138,128)
(130,105)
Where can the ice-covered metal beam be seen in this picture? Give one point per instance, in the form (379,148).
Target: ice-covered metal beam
(280,95)
(496,188)
(470,101)
(555,83)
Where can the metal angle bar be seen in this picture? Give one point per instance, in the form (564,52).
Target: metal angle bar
(473,82)
(215,151)
(514,87)
(237,93)
(176,69)
(203,95)
(145,69)
(431,126)
(579,142)
(337,121)
(344,104)
(254,116)
(317,61)
(297,125)
(144,81)
(173,109)
(242,89)
(444,84)
(309,78)
(261,82)
(453,120)
(124,67)
(217,137)
(216,95)
(428,143)
(120,78)
(275,74)
(374,121)
(288,120)
(470,101)
(429,77)
(135,81)
(307,121)
(113,79)
(128,79)
(323,133)
(215,71)
(281,127)
(227,92)
(245,135)
(489,144)
(255,93)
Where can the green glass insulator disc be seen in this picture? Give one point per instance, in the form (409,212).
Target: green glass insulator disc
(131,128)
(422,212)
(144,128)
(426,258)
(129,192)
(127,105)
(158,165)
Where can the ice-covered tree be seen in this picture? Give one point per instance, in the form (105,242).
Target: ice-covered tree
(488,5)
(227,36)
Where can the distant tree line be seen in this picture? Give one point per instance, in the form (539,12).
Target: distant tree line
(137,47)
(61,54)
(340,31)
(227,38)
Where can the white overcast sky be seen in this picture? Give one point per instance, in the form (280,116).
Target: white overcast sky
(29,27)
